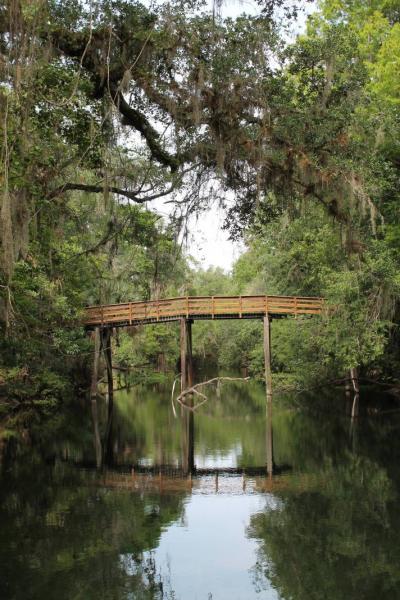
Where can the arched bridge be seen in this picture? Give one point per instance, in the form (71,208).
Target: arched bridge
(187,309)
(200,307)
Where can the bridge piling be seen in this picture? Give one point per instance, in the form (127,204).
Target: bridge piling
(93,395)
(107,351)
(268,389)
(267,356)
(183,355)
(190,371)
(187,379)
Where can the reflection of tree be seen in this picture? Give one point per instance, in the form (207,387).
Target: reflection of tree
(340,542)
(64,536)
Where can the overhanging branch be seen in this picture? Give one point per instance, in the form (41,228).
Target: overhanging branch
(138,121)
(98,189)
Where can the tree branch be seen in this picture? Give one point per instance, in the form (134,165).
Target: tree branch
(138,121)
(98,189)
(194,390)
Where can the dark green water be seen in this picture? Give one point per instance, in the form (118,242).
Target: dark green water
(325,526)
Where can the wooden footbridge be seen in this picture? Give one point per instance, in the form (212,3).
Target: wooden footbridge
(101,320)
(187,309)
(200,307)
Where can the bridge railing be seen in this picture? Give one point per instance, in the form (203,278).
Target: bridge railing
(207,306)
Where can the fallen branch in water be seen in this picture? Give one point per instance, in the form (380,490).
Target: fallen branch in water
(194,391)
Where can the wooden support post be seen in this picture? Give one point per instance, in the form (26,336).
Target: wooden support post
(190,373)
(268,386)
(107,350)
(267,356)
(183,355)
(108,359)
(96,360)
(190,382)
(93,396)
(187,376)
(187,381)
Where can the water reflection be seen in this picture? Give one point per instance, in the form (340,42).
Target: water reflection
(63,534)
(147,435)
(188,462)
(335,538)
(216,505)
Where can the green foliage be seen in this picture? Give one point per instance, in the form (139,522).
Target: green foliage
(352,517)
(310,150)
(384,72)
(303,255)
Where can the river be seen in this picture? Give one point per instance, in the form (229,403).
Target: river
(182,507)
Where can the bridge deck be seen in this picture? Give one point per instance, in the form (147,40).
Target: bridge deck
(200,307)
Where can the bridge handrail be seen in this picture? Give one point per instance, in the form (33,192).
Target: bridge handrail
(311,298)
(203,306)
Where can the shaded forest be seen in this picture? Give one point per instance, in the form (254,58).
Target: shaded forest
(109,106)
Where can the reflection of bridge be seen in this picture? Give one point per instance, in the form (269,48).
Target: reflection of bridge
(200,307)
(218,481)
(167,479)
(169,471)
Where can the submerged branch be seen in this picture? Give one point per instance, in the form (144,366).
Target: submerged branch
(194,390)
